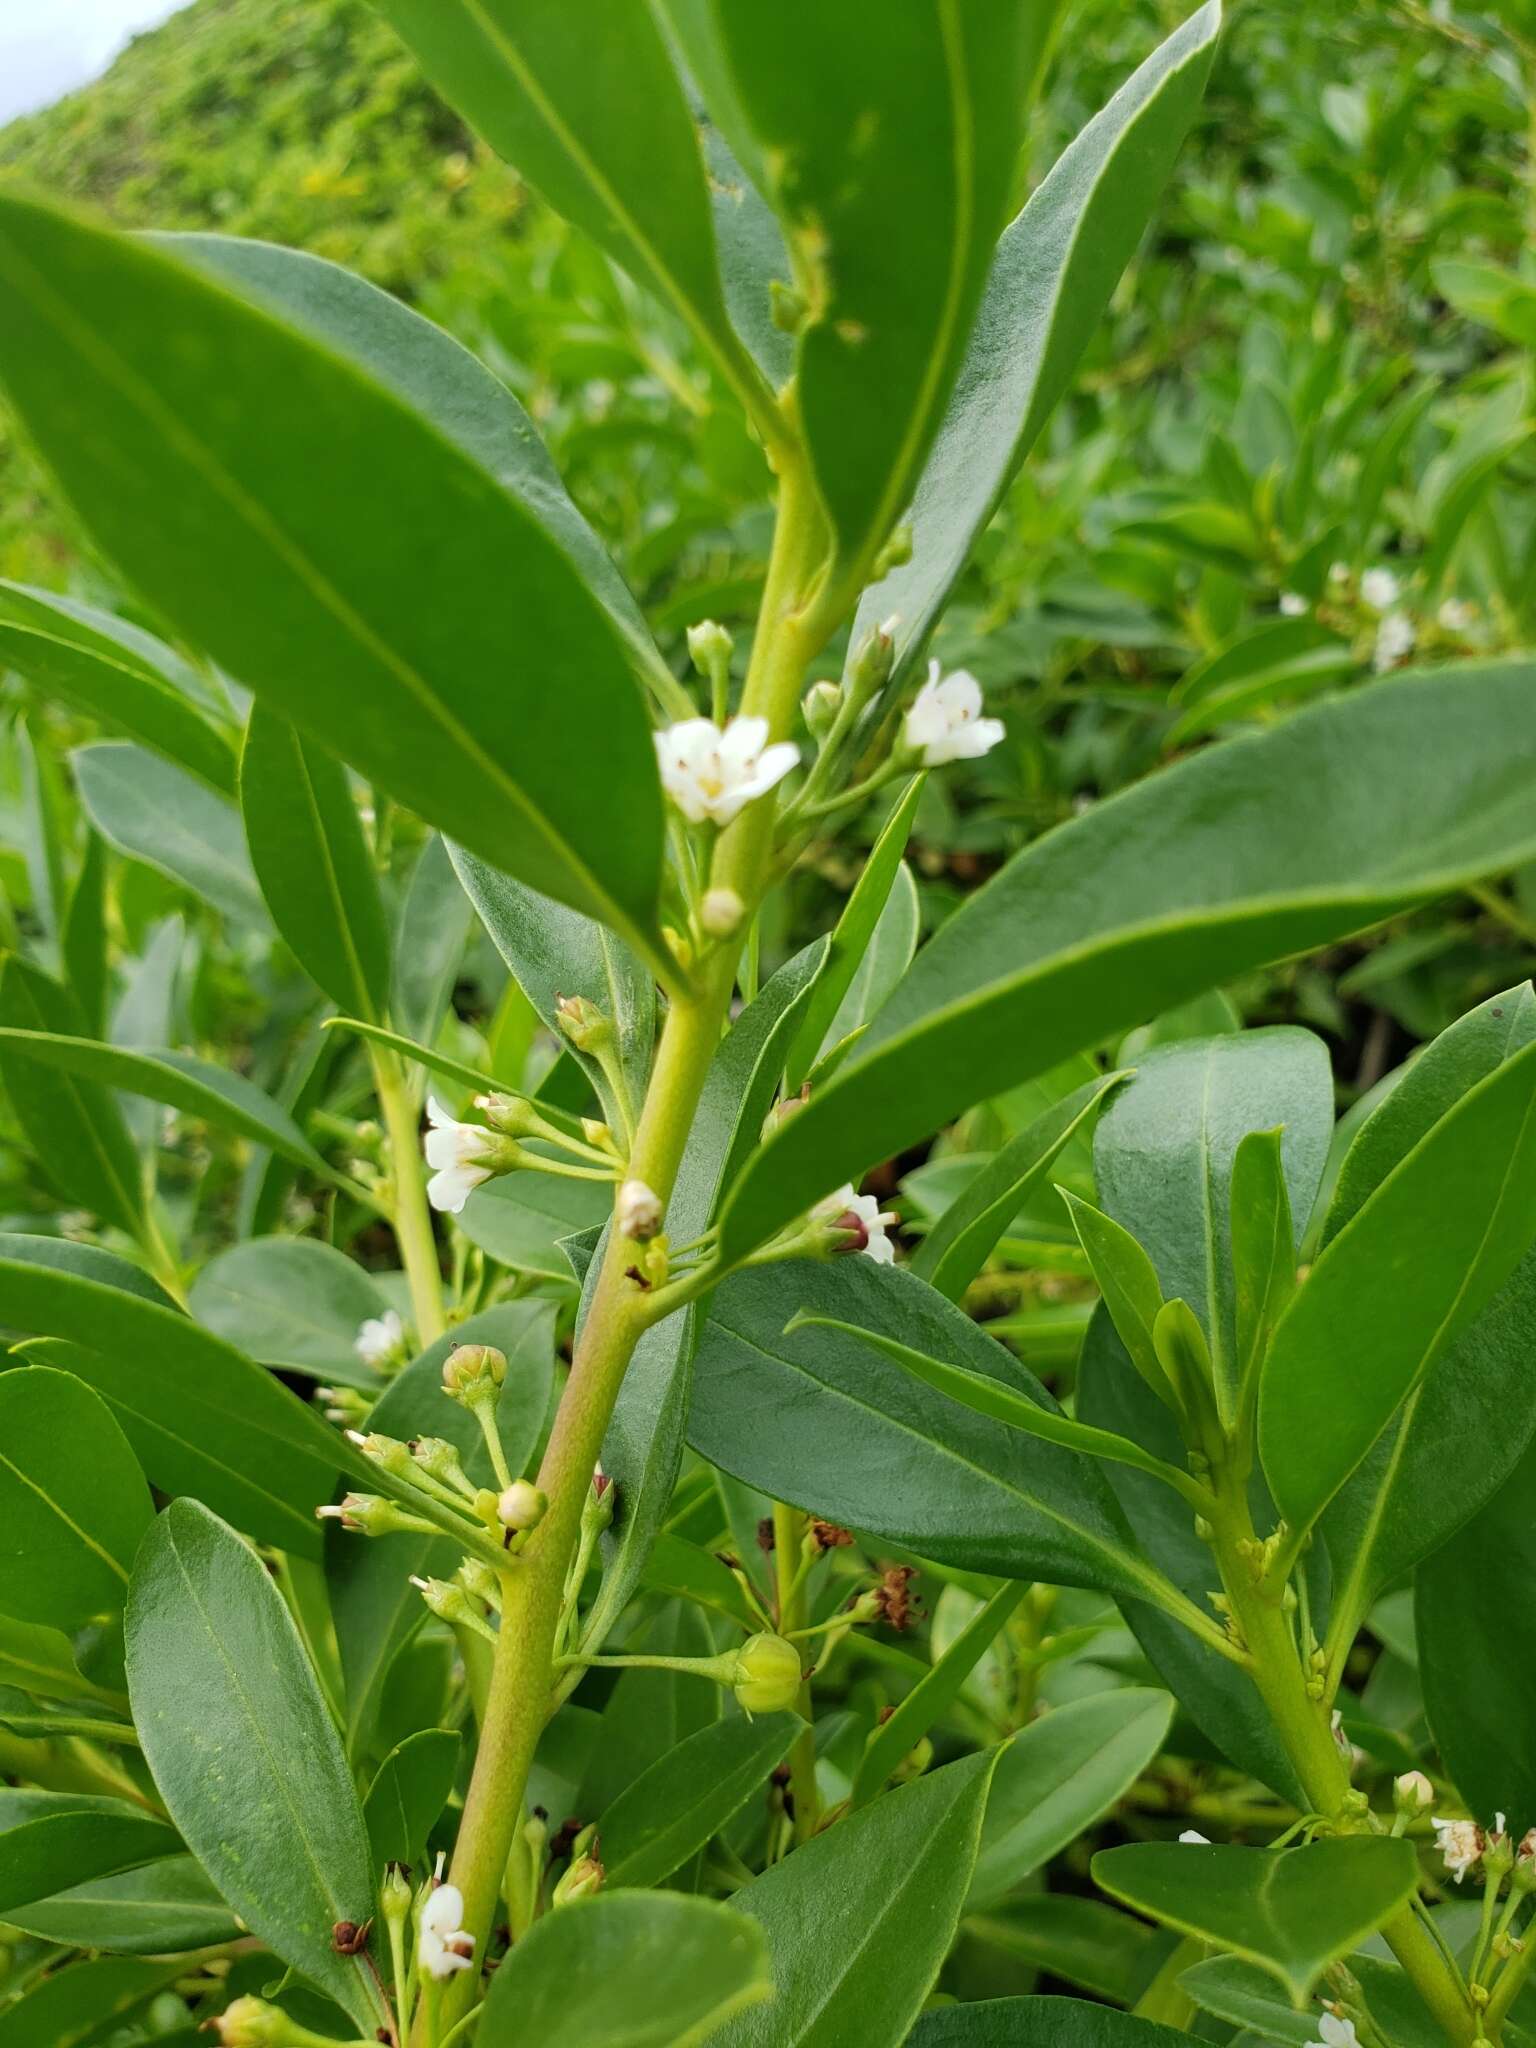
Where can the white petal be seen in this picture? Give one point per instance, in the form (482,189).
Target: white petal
(451,1188)
(443,1910)
(741,743)
(437,1115)
(960,694)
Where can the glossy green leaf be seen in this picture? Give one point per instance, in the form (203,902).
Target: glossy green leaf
(587,105)
(1247,1997)
(313,863)
(518,1219)
(244,1751)
(1039,2023)
(430,935)
(914,153)
(860,1919)
(73,2006)
(674,1809)
(1056,1777)
(41,1660)
(552,952)
(73,1502)
(1230,858)
(75,1843)
(1404,1278)
(408,1793)
(1082,1941)
(179,1079)
(291,1302)
(1133,1294)
(73,1125)
(959,1244)
(162,1909)
(851,939)
(200,1416)
(155,812)
(114,672)
(634,1970)
(83,941)
(1290,1911)
(1263,1249)
(281,547)
(1052,277)
(826,1422)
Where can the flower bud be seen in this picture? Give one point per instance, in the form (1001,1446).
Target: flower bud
(597,1509)
(821,704)
(710,646)
(584,1876)
(521,1506)
(1498,1853)
(875,659)
(583,1023)
(348,1407)
(477,1578)
(767,1675)
(471,1372)
(369,1515)
(511,1114)
(597,1134)
(387,1452)
(638,1211)
(439,1459)
(252,2023)
(1412,1793)
(395,1894)
(896,553)
(914,1763)
(452,1604)
(721,913)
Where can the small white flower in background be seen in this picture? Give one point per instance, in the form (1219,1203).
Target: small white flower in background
(1335,2033)
(861,1216)
(944,723)
(1338,572)
(1395,637)
(1194,1835)
(1292,604)
(1380,589)
(713,774)
(379,1338)
(1460,1843)
(442,1946)
(456,1153)
(638,1211)
(1456,614)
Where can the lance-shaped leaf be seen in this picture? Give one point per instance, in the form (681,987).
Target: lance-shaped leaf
(313,863)
(71,1843)
(1056,267)
(163,1909)
(1246,1997)
(1040,2023)
(1290,1911)
(73,1124)
(66,2007)
(1404,1278)
(1249,851)
(891,175)
(154,812)
(41,1661)
(244,1751)
(672,1810)
(409,1791)
(116,673)
(336,552)
(582,97)
(291,1302)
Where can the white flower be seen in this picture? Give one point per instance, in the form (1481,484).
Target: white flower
(861,1215)
(379,1338)
(713,774)
(1380,589)
(638,1211)
(456,1152)
(1336,2033)
(442,1946)
(1456,614)
(1395,637)
(1460,1843)
(944,723)
(1413,1793)
(1292,605)
(1194,1835)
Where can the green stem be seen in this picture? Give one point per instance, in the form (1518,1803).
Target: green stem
(788,1531)
(412,1218)
(1509,1986)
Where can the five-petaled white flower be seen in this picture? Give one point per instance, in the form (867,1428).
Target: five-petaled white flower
(442,1946)
(864,1220)
(1380,589)
(944,723)
(713,774)
(379,1338)
(1395,638)
(1334,2032)
(457,1154)
(1461,1844)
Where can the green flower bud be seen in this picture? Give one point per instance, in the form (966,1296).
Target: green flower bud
(370,1515)
(511,1115)
(767,1676)
(597,1509)
(721,913)
(584,1877)
(395,1895)
(875,659)
(252,2023)
(821,704)
(387,1452)
(583,1023)
(440,1460)
(711,646)
(521,1506)
(452,1604)
(471,1372)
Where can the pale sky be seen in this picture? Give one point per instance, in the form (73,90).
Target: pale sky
(48,47)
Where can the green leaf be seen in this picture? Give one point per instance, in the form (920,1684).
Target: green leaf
(1227,859)
(430,935)
(1057,1776)
(73,1503)
(586,104)
(73,2006)
(860,1919)
(74,1127)
(825,1422)
(1263,1249)
(179,1079)
(1246,1997)
(68,1845)
(554,952)
(313,863)
(1082,1941)
(1052,277)
(518,1219)
(914,153)
(408,1793)
(279,544)
(1404,1278)
(1165,1148)
(244,1752)
(675,1808)
(156,813)
(42,1661)
(291,1302)
(165,1908)
(116,673)
(200,1416)
(631,1970)
(83,941)
(959,1244)
(1133,1294)
(1039,2023)
(1290,1911)
(851,940)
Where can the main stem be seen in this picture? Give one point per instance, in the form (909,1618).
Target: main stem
(522,1674)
